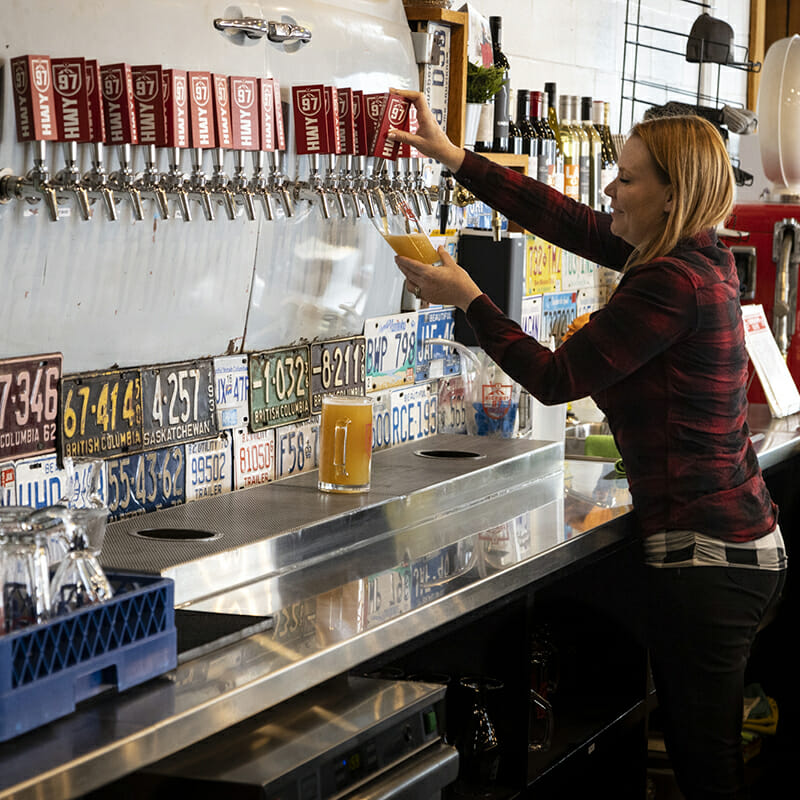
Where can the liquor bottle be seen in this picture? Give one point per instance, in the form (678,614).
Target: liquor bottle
(547,147)
(584,151)
(570,147)
(595,155)
(552,121)
(501,108)
(608,161)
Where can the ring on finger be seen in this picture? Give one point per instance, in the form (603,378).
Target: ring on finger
(417,291)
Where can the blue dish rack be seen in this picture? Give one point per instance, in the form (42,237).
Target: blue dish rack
(47,669)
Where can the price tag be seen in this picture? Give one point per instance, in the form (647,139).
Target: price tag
(388,594)
(28,405)
(144,482)
(435,360)
(297,447)
(178,403)
(337,368)
(41,482)
(413,413)
(279,390)
(391,351)
(101,414)
(381,420)
(209,467)
(253,457)
(452,415)
(231,391)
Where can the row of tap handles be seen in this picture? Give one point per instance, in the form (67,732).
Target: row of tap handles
(76,104)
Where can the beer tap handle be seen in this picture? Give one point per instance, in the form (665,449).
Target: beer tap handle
(446,192)
(96,179)
(175,85)
(202,136)
(220,183)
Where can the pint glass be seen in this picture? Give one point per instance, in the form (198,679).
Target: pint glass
(345,444)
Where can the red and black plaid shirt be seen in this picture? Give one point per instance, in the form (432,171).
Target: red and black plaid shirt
(665,361)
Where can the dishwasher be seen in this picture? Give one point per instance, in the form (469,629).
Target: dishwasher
(351,738)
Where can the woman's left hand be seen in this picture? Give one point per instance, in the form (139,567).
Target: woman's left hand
(448,284)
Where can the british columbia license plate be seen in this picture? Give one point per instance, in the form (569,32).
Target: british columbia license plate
(337,368)
(253,457)
(101,414)
(178,404)
(143,482)
(279,387)
(28,405)
(297,447)
(435,360)
(391,351)
(413,413)
(209,467)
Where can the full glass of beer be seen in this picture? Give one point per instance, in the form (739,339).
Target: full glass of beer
(406,235)
(345,443)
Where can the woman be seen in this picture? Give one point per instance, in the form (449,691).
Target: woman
(665,361)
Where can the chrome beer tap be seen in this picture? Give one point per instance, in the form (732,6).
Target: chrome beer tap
(311,140)
(149,183)
(173,182)
(220,184)
(123,180)
(277,183)
(68,179)
(33,187)
(332,184)
(240,184)
(258,184)
(197,186)
(201,130)
(361,151)
(96,179)
(313,188)
(176,137)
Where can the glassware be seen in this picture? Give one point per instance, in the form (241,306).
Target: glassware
(405,234)
(544,682)
(345,443)
(79,579)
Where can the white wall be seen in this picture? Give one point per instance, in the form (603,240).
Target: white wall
(579,44)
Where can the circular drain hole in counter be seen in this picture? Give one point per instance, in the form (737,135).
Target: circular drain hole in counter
(448,454)
(176,535)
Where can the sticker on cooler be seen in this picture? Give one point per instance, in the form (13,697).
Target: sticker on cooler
(414,411)
(209,467)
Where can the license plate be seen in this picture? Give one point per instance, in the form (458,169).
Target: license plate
(452,415)
(391,351)
(8,485)
(337,367)
(101,414)
(278,387)
(41,482)
(558,310)
(178,403)
(531,319)
(435,360)
(381,420)
(144,482)
(413,413)
(427,577)
(388,594)
(253,457)
(297,447)
(231,392)
(28,405)
(209,467)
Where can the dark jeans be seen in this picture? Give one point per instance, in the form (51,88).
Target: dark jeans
(701,625)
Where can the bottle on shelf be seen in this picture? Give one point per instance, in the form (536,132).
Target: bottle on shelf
(595,154)
(608,160)
(516,142)
(546,140)
(570,147)
(501,99)
(552,120)
(529,144)
(584,151)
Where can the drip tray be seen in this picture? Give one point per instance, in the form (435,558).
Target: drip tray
(201,632)
(452,454)
(176,535)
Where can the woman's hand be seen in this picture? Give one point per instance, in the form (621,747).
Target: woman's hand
(429,139)
(575,325)
(448,284)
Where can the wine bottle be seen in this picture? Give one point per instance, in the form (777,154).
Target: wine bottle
(595,154)
(584,152)
(500,141)
(528,139)
(608,161)
(516,142)
(547,148)
(570,147)
(552,121)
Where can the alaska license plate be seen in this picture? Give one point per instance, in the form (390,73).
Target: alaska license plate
(413,413)
(391,351)
(144,482)
(230,382)
(253,457)
(28,405)
(101,414)
(435,360)
(297,447)
(279,387)
(337,368)
(178,404)
(209,467)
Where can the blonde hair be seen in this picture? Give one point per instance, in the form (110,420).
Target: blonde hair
(691,157)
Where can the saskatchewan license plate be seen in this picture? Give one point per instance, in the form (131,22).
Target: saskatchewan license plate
(391,351)
(144,482)
(337,367)
(28,405)
(101,414)
(413,413)
(209,467)
(279,387)
(435,360)
(178,404)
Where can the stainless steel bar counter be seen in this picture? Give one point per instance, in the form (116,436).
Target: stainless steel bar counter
(341,579)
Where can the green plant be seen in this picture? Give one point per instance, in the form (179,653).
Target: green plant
(483,83)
